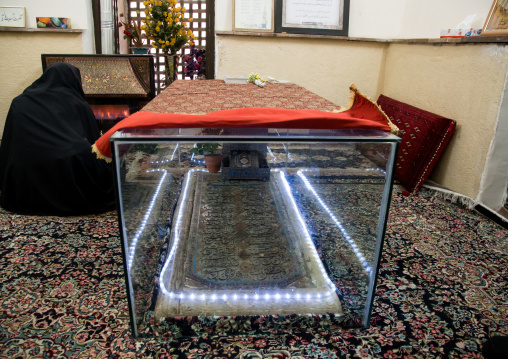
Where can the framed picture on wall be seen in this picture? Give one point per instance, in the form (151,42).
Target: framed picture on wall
(253,15)
(12,16)
(323,17)
(497,20)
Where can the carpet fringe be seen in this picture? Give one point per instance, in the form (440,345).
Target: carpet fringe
(466,201)
(451,196)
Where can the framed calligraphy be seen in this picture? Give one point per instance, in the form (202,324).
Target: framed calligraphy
(12,16)
(317,17)
(497,20)
(253,15)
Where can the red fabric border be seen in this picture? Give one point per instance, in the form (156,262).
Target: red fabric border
(363,114)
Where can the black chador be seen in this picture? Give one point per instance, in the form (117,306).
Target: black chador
(46,163)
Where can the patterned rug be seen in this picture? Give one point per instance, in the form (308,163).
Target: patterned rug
(441,293)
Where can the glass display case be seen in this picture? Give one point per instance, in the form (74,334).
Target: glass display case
(290,223)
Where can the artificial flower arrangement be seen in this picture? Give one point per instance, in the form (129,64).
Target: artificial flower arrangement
(194,63)
(166,26)
(131,31)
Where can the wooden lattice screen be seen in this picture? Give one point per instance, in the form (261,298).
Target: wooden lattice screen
(202,13)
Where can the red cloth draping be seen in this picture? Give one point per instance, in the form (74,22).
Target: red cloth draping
(362,114)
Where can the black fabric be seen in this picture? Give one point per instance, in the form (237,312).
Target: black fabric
(496,348)
(46,163)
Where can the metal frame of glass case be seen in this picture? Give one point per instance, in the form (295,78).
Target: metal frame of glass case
(292,225)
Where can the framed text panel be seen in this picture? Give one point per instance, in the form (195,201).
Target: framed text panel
(253,15)
(12,16)
(318,17)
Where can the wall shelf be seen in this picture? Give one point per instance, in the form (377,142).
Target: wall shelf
(45,30)
(436,41)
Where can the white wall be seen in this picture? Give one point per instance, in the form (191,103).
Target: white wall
(394,19)
(79,11)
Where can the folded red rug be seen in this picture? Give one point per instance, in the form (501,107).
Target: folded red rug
(362,113)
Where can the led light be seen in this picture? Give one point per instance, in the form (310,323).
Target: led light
(353,245)
(178,228)
(135,239)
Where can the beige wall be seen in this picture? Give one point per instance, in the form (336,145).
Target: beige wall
(20,62)
(322,66)
(462,82)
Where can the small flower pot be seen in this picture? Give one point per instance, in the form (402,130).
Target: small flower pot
(213,162)
(139,50)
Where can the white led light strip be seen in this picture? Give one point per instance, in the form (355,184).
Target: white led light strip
(135,239)
(326,289)
(167,160)
(356,250)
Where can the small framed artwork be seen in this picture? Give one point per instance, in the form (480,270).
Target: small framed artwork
(323,17)
(53,22)
(12,16)
(497,20)
(253,15)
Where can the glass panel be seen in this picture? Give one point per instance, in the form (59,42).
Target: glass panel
(291,222)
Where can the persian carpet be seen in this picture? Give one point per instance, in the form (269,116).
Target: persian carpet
(441,293)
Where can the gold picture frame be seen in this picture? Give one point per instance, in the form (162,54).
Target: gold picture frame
(497,20)
(12,16)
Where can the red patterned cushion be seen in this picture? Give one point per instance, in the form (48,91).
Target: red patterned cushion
(425,136)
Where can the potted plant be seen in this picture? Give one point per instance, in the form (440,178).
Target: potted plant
(212,157)
(132,32)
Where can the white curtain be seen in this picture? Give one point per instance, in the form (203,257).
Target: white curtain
(107,27)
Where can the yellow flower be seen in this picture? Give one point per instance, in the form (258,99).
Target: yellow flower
(172,42)
(191,19)
(158,29)
(167,43)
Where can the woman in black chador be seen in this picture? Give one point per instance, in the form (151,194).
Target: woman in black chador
(46,162)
